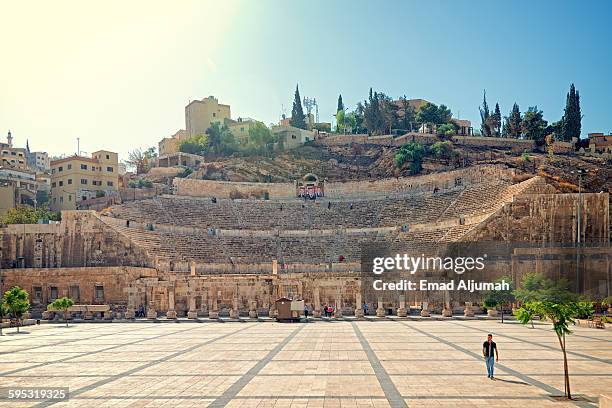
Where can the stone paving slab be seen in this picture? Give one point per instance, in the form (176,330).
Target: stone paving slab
(352,363)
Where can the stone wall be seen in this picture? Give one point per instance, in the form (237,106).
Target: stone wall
(222,189)
(81,239)
(547,218)
(49,282)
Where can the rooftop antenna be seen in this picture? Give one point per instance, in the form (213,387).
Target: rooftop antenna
(310,103)
(78,146)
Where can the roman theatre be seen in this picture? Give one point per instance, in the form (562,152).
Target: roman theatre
(201,251)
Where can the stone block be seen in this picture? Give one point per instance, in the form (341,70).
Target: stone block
(380,312)
(171,314)
(192,314)
(151,314)
(401,312)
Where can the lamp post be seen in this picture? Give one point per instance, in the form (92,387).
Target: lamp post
(579,173)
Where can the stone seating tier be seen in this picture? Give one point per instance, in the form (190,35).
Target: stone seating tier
(315,249)
(299,215)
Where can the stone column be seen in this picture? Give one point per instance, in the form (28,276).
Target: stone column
(316,312)
(193,312)
(151,312)
(401,311)
(468,311)
(358,309)
(192,268)
(130,312)
(234,312)
(380,311)
(213,310)
(447,311)
(425,310)
(338,306)
(253,309)
(171,313)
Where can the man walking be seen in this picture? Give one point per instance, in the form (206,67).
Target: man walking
(488,348)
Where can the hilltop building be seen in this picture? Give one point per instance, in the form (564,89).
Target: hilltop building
(169,145)
(199,115)
(78,178)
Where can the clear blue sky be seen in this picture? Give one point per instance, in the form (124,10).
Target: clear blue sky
(118,75)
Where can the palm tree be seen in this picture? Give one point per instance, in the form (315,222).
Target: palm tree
(17,303)
(62,304)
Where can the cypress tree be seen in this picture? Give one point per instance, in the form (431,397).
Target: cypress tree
(572,118)
(340,103)
(297,113)
(513,122)
(485,130)
(496,120)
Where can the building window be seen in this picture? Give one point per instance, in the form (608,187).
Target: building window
(214,114)
(37,293)
(75,293)
(83,181)
(69,166)
(53,293)
(60,168)
(83,167)
(61,183)
(69,181)
(69,197)
(99,292)
(107,157)
(109,169)
(53,185)
(109,183)
(61,199)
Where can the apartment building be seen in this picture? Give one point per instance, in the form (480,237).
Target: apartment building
(78,178)
(199,115)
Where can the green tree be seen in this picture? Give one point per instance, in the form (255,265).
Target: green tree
(554,301)
(374,117)
(485,127)
(261,138)
(496,121)
(220,139)
(447,129)
(28,215)
(407,117)
(513,122)
(198,144)
(298,119)
(442,149)
(17,303)
(495,298)
(3,312)
(572,117)
(62,304)
(141,159)
(533,125)
(150,153)
(340,121)
(340,104)
(411,152)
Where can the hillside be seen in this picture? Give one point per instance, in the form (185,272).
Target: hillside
(367,161)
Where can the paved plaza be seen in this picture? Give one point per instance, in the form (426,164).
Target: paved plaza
(322,364)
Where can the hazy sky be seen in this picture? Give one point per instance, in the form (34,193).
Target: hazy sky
(118,74)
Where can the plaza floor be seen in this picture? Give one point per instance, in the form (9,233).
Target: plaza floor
(322,364)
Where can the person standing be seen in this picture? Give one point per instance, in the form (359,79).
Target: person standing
(365,309)
(306,312)
(488,348)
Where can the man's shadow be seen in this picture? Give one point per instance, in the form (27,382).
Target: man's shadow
(511,381)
